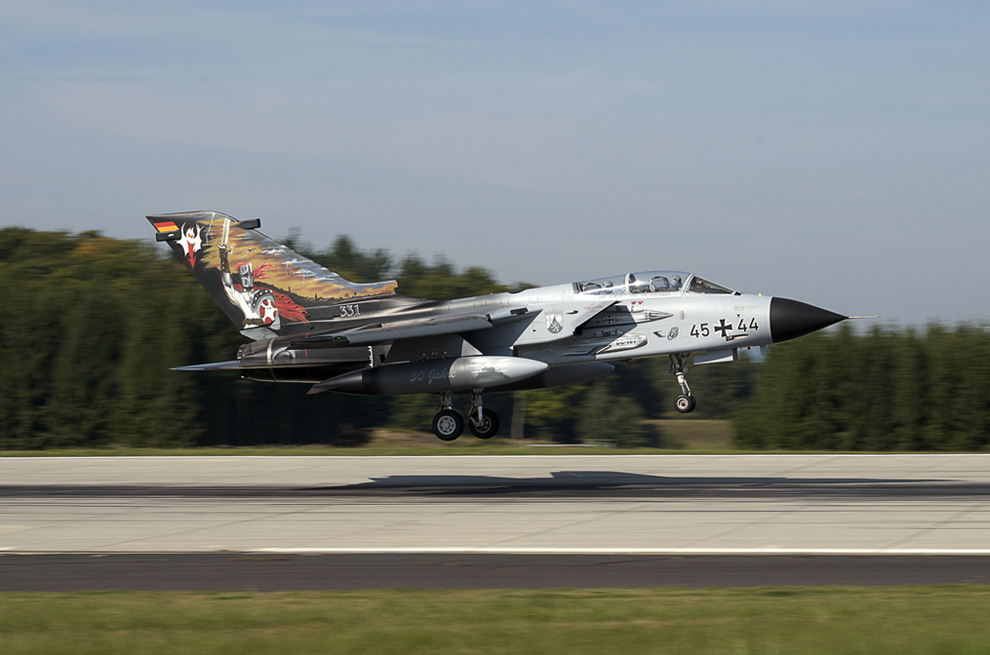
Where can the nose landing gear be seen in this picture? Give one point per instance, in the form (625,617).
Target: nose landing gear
(685,402)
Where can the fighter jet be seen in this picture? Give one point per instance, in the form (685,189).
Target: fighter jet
(309,325)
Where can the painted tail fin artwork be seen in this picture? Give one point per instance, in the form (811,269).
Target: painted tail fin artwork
(264,287)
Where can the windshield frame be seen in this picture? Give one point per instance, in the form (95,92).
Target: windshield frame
(701,286)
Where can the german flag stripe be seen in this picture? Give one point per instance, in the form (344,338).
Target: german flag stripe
(168,226)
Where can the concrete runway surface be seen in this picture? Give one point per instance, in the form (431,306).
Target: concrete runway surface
(647,508)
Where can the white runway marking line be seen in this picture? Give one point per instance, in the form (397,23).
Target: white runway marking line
(629,551)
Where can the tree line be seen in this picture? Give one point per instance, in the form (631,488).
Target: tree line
(93,324)
(886,390)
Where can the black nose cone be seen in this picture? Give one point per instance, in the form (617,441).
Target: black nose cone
(790,319)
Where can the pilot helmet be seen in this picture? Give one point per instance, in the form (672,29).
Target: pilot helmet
(659,283)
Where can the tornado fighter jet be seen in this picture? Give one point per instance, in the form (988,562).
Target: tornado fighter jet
(308,325)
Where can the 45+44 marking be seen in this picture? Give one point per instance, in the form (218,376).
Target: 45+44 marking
(724,327)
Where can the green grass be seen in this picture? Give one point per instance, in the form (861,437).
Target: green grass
(329,451)
(683,435)
(687,436)
(897,620)
(697,435)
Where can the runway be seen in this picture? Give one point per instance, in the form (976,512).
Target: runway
(642,507)
(253,572)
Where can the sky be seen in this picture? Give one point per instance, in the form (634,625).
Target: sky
(832,152)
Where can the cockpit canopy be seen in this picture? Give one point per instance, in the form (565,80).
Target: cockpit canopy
(653,282)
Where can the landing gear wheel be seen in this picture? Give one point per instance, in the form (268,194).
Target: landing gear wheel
(684,403)
(448,425)
(487,428)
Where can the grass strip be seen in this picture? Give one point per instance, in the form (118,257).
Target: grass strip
(685,436)
(373,451)
(901,620)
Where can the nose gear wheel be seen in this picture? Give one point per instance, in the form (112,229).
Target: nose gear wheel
(684,404)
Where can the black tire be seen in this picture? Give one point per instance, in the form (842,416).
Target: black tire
(684,404)
(489,424)
(447,425)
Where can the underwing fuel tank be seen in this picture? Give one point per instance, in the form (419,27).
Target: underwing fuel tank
(434,376)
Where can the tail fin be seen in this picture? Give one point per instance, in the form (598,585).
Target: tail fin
(262,285)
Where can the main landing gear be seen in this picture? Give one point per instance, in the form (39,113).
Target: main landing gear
(448,424)
(684,403)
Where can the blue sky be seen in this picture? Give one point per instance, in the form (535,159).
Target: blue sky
(834,152)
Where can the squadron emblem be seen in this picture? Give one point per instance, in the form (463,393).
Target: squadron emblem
(555,321)
(191,242)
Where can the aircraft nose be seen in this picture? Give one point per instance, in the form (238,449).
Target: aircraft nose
(790,319)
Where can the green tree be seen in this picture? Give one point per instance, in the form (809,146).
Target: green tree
(607,417)
(884,390)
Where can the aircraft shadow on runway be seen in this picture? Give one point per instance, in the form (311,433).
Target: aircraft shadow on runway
(560,484)
(598,484)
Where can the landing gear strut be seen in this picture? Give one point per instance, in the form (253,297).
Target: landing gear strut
(482,422)
(684,403)
(448,424)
